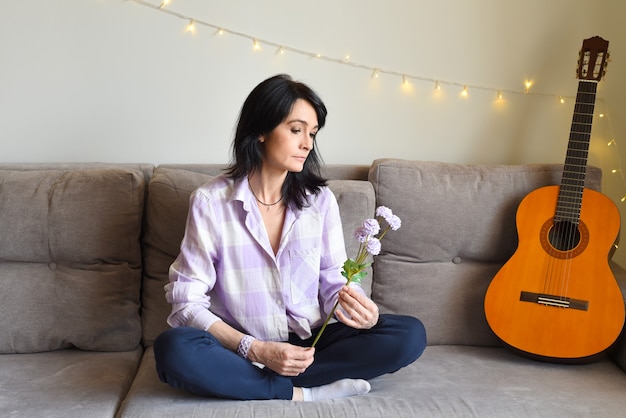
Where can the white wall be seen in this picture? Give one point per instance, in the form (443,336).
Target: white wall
(112,80)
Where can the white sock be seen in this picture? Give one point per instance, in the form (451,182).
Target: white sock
(339,389)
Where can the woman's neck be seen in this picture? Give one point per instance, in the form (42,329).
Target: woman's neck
(266,188)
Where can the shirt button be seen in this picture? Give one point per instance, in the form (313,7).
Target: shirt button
(52,266)
(456,260)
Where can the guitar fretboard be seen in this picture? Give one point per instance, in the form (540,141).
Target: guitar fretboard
(573,180)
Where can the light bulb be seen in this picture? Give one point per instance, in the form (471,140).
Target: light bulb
(164,3)
(191,27)
(255,45)
(499,95)
(527,85)
(464,93)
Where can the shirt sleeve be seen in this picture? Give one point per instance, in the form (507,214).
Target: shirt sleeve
(192,275)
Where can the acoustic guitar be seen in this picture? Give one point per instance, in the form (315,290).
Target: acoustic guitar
(556,298)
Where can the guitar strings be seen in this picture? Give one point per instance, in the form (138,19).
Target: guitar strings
(575,235)
(566,233)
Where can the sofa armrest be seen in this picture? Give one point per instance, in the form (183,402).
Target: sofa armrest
(618,351)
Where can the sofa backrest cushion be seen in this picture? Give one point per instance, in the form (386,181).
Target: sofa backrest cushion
(70,260)
(458,229)
(166,215)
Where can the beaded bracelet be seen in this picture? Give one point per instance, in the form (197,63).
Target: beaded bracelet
(244,345)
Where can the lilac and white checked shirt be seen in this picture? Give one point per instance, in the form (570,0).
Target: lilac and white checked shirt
(226,269)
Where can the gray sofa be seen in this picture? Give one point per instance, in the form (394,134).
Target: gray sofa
(84,254)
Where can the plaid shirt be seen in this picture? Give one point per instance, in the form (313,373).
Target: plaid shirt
(227,270)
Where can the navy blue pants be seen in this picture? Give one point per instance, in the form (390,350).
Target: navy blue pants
(193,360)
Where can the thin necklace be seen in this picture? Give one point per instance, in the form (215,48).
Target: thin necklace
(267,205)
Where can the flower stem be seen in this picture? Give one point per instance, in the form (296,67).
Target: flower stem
(319,334)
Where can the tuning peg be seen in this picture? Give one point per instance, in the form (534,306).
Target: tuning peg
(606,63)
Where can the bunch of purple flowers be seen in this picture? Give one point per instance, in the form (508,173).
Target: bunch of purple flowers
(354,269)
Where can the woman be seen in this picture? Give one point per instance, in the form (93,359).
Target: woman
(259,271)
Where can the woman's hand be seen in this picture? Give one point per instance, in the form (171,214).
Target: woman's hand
(362,311)
(284,358)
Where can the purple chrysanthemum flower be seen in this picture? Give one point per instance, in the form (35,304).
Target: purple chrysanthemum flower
(371,226)
(373,246)
(394,222)
(384,212)
(360,234)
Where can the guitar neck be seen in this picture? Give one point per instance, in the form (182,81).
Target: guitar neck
(573,179)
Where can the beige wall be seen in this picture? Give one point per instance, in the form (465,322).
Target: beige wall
(112,80)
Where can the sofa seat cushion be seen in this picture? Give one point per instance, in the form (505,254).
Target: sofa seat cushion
(462,381)
(65,383)
(166,215)
(458,229)
(70,259)
(442,383)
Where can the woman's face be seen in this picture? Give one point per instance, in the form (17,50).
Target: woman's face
(288,145)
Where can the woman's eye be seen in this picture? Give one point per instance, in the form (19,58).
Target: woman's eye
(296,131)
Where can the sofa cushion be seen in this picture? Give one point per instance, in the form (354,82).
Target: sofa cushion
(66,383)
(356,202)
(458,229)
(618,351)
(70,261)
(441,383)
(166,214)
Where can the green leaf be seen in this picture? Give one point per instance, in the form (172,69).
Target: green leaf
(353,271)
(357,277)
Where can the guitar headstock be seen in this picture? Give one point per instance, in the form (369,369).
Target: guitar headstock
(592,59)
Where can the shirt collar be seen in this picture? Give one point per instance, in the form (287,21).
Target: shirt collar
(241,191)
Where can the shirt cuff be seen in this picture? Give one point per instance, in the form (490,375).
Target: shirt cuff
(203,319)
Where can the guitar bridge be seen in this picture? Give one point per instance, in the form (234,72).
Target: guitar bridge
(556,301)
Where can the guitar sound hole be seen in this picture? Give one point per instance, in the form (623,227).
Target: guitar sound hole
(564,235)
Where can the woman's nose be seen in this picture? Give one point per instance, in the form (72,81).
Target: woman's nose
(307,144)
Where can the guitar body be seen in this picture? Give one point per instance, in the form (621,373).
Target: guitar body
(558,300)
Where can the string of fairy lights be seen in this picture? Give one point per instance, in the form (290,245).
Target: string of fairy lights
(192,23)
